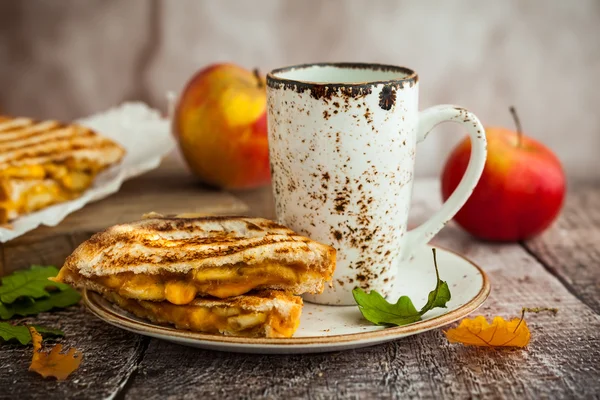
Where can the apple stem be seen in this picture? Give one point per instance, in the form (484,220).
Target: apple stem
(256,73)
(518,124)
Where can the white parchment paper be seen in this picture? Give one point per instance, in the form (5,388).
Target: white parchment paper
(143,133)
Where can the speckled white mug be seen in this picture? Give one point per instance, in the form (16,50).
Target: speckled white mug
(342,143)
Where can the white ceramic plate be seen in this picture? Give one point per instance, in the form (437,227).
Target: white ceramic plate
(332,328)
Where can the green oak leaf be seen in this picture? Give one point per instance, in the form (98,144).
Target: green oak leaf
(21,334)
(31,282)
(376,309)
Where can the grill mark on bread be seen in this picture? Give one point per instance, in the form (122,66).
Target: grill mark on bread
(28,131)
(182,251)
(24,141)
(190,256)
(192,225)
(11,124)
(226,240)
(264,225)
(57,135)
(99,157)
(142,247)
(108,238)
(252,227)
(58,148)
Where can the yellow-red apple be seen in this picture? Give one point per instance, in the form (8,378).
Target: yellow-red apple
(221,124)
(521,190)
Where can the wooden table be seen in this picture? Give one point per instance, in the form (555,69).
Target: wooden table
(560,269)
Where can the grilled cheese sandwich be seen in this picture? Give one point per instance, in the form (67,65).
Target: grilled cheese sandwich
(228,275)
(178,259)
(44,163)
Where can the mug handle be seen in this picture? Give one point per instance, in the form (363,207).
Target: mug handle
(428,119)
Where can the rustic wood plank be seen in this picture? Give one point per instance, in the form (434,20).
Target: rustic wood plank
(46,251)
(260,201)
(571,248)
(109,358)
(560,362)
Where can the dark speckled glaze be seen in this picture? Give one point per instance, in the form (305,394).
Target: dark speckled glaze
(342,162)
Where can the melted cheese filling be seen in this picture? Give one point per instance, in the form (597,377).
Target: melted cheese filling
(222,320)
(221,282)
(37,186)
(52,170)
(34,196)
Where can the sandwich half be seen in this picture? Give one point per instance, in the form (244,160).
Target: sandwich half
(267,313)
(44,163)
(179,259)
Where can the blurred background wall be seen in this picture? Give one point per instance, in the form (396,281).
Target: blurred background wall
(70,58)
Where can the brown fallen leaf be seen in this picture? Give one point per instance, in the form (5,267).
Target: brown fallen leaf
(500,333)
(53,364)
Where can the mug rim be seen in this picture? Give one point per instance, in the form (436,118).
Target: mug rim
(411,75)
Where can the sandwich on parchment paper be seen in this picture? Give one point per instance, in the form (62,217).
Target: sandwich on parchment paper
(46,162)
(224,268)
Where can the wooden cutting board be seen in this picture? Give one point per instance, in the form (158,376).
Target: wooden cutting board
(170,189)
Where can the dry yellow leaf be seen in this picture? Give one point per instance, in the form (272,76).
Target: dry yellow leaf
(500,333)
(478,332)
(53,364)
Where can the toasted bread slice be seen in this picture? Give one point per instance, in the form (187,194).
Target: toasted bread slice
(270,313)
(43,163)
(178,259)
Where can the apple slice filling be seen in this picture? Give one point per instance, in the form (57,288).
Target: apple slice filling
(218,320)
(220,282)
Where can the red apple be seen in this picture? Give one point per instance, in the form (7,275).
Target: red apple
(520,192)
(220,122)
